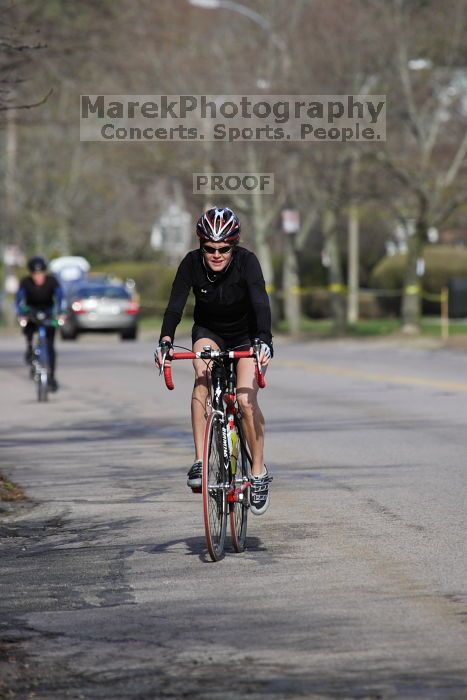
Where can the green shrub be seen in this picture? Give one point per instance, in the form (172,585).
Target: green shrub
(368,306)
(317,304)
(311,274)
(311,270)
(442,263)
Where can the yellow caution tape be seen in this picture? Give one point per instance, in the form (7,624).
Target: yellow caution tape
(412,289)
(332,289)
(337,288)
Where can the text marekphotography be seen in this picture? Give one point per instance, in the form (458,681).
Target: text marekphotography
(271,118)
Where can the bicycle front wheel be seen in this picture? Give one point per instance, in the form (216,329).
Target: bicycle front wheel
(239,507)
(42,385)
(214,486)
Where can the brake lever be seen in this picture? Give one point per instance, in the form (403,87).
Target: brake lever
(161,368)
(165,349)
(257,348)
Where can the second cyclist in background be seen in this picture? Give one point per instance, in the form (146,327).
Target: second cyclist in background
(40,291)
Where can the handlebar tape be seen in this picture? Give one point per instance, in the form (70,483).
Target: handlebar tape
(260,378)
(168,378)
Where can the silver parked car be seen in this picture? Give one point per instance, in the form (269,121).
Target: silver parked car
(101,307)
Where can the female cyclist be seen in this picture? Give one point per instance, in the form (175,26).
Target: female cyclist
(231,310)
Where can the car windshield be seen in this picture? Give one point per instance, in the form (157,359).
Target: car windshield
(102,291)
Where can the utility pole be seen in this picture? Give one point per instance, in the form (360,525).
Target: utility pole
(11,156)
(353,278)
(290,275)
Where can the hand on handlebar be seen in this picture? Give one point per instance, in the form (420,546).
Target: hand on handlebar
(164,353)
(263,353)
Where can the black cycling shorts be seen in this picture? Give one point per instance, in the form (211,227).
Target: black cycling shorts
(237,342)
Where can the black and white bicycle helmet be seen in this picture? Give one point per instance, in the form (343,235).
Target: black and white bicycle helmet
(219,225)
(37,264)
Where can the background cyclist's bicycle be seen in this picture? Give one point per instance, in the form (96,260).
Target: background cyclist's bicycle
(40,362)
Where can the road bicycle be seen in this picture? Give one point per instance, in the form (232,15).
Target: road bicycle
(40,362)
(226,463)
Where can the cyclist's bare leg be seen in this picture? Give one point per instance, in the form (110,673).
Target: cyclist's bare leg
(200,397)
(253,421)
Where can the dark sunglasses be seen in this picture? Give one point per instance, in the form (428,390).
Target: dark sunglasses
(211,250)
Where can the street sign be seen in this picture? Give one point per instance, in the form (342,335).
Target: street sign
(13,256)
(290,220)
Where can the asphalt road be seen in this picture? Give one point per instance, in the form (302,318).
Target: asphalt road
(354,582)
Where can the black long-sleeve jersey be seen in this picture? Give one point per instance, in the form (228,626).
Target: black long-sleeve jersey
(42,297)
(235,303)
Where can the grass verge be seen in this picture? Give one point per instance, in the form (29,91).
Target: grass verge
(10,491)
(154,323)
(323,328)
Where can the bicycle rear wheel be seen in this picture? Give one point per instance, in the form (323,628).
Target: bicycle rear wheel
(214,487)
(239,508)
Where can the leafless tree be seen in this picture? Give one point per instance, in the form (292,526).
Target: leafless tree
(425,155)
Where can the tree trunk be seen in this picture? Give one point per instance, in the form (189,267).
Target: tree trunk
(353,273)
(411,301)
(11,178)
(353,252)
(63,233)
(265,260)
(291,285)
(258,216)
(336,281)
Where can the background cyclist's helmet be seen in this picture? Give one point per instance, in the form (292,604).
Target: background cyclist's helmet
(219,225)
(37,264)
